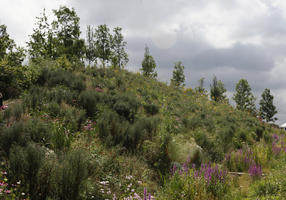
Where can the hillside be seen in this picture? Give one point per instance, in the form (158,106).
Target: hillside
(104,133)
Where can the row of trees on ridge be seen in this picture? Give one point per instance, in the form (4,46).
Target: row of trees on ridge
(60,40)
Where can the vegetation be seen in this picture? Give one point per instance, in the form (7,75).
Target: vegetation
(148,64)
(178,79)
(267,109)
(101,132)
(217,90)
(243,97)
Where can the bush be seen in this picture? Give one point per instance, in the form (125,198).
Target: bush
(88,100)
(151,109)
(39,131)
(71,175)
(14,112)
(125,105)
(25,163)
(61,77)
(13,135)
(60,138)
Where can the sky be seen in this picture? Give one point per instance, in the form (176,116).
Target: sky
(231,39)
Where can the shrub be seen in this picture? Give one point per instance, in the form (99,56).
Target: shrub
(125,105)
(14,112)
(71,175)
(89,100)
(39,131)
(13,135)
(25,163)
(151,109)
(61,77)
(60,138)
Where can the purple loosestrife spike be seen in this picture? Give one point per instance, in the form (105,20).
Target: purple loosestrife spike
(149,196)
(145,194)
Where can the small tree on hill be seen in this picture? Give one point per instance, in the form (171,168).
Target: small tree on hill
(148,64)
(103,43)
(217,90)
(267,109)
(200,89)
(90,50)
(243,97)
(119,57)
(178,79)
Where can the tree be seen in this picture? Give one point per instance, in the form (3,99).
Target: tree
(59,38)
(217,90)
(13,76)
(42,41)
(119,57)
(67,30)
(200,88)
(148,64)
(243,97)
(90,45)
(178,79)
(267,109)
(9,52)
(103,43)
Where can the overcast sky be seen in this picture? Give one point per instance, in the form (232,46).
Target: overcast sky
(231,39)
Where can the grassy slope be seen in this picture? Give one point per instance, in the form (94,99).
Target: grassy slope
(197,128)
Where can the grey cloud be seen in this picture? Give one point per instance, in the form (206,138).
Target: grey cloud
(239,56)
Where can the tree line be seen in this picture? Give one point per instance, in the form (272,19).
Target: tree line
(59,40)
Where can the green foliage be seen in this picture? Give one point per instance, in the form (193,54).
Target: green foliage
(267,109)
(151,109)
(25,163)
(178,79)
(148,65)
(90,50)
(125,105)
(89,101)
(58,38)
(119,57)
(103,43)
(200,89)
(71,174)
(217,90)
(243,97)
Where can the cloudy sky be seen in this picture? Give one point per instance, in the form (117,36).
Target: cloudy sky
(231,39)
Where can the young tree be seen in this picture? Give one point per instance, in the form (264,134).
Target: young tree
(90,45)
(243,97)
(103,43)
(217,90)
(119,57)
(42,41)
(200,88)
(148,64)
(178,79)
(267,109)
(67,30)
(9,52)
(59,38)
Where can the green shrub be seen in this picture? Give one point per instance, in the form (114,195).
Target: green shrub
(151,109)
(24,163)
(125,105)
(15,134)
(60,139)
(89,100)
(71,175)
(61,77)
(14,112)
(54,109)
(39,131)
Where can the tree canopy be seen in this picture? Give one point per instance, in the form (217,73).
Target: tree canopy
(267,109)
(148,64)
(243,97)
